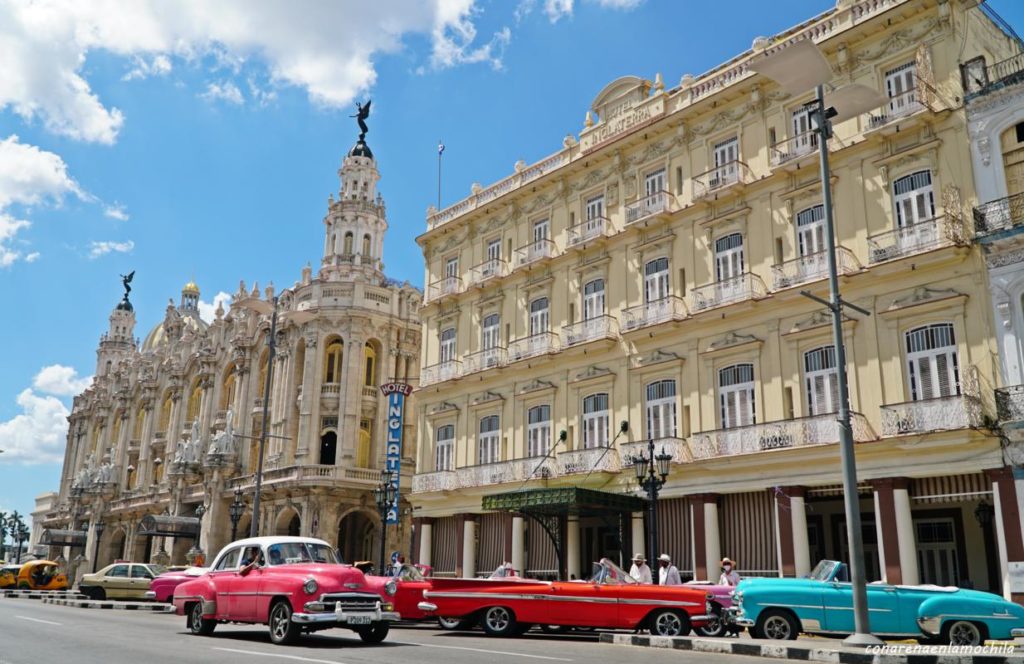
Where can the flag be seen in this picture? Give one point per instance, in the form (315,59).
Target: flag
(440,148)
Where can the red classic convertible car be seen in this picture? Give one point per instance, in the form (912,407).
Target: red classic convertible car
(610,599)
(292,584)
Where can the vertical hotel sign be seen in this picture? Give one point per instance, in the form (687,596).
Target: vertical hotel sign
(396,394)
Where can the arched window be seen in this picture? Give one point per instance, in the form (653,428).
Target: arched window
(165,414)
(593,299)
(538,431)
(933,366)
(595,420)
(366,245)
(264,365)
(369,365)
(447,345)
(348,243)
(489,442)
(363,450)
(822,382)
(490,332)
(656,280)
(115,432)
(729,257)
(914,199)
(332,362)
(539,317)
(227,388)
(444,447)
(736,395)
(195,398)
(661,409)
(140,417)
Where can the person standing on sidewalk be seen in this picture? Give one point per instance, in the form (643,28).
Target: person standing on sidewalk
(730,577)
(668,574)
(640,571)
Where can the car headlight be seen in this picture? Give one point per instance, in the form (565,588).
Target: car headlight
(387,606)
(310,586)
(391,587)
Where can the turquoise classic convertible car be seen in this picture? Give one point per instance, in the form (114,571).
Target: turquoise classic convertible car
(823,604)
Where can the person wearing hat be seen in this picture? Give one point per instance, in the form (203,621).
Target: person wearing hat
(640,571)
(668,574)
(730,577)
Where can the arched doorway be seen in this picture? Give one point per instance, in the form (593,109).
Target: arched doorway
(143,548)
(328,448)
(243,526)
(288,523)
(114,548)
(356,537)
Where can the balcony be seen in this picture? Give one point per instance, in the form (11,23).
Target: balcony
(782,434)
(503,472)
(1010,404)
(957,411)
(928,235)
(812,267)
(721,177)
(677,447)
(720,293)
(309,475)
(441,480)
(539,250)
(903,106)
(440,372)
(484,272)
(330,388)
(792,150)
(589,230)
(592,459)
(592,329)
(370,392)
(533,346)
(443,287)
(658,205)
(492,358)
(1000,215)
(652,313)
(993,77)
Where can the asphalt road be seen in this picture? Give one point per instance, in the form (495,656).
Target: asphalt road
(37,633)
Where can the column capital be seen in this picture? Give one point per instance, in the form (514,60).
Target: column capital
(793,491)
(999,474)
(890,483)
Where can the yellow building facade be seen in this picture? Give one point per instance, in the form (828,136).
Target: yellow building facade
(645,282)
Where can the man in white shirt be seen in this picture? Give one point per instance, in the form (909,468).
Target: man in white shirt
(730,577)
(668,574)
(640,571)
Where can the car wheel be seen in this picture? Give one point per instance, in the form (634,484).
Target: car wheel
(713,627)
(777,625)
(554,629)
(454,623)
(374,633)
(282,630)
(669,623)
(498,621)
(197,624)
(962,633)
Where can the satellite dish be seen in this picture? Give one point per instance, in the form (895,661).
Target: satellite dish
(852,100)
(797,68)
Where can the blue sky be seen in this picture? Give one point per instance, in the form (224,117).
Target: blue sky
(186,141)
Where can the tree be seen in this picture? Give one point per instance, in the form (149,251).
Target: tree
(14,522)
(3,532)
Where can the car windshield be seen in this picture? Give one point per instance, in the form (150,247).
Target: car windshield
(157,570)
(606,572)
(290,553)
(823,570)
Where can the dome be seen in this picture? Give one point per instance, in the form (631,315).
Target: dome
(158,337)
(124,305)
(191,288)
(360,149)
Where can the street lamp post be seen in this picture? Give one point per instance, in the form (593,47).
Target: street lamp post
(196,552)
(384,495)
(651,473)
(98,529)
(235,511)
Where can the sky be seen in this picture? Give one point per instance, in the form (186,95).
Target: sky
(192,140)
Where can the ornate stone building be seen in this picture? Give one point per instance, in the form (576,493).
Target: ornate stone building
(174,423)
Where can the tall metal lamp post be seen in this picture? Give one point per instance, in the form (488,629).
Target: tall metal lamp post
(797,69)
(235,511)
(651,473)
(196,552)
(384,495)
(98,529)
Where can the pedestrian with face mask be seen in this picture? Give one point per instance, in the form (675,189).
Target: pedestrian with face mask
(668,574)
(730,577)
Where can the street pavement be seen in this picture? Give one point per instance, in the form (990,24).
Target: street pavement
(35,633)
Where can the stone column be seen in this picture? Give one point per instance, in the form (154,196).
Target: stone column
(309,406)
(801,545)
(572,546)
(519,543)
(426,540)
(469,546)
(350,406)
(896,551)
(144,470)
(713,542)
(1008,527)
(905,532)
(637,535)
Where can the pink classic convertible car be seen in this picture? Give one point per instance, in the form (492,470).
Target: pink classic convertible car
(291,584)
(161,589)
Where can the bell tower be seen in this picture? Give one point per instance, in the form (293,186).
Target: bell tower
(119,340)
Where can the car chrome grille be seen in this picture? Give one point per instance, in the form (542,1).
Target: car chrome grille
(351,601)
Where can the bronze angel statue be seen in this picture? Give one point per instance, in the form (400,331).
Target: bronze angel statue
(363,112)
(125,281)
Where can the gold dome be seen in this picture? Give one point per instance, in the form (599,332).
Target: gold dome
(190,288)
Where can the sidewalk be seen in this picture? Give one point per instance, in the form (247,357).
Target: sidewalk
(809,650)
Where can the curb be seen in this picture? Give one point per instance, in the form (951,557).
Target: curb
(41,594)
(796,652)
(99,604)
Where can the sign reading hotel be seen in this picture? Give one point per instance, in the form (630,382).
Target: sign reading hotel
(623,106)
(396,394)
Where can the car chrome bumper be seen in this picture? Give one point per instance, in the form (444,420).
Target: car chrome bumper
(429,607)
(344,617)
(1017,631)
(930,626)
(149,594)
(744,622)
(704,618)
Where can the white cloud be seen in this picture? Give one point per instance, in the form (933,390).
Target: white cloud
(223,91)
(559,9)
(32,257)
(38,433)
(158,65)
(60,380)
(208,310)
(116,211)
(97,249)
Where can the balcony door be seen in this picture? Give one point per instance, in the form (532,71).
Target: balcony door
(661,409)
(736,396)
(656,289)
(822,384)
(447,346)
(541,231)
(803,139)
(810,230)
(489,441)
(451,268)
(914,198)
(654,183)
(595,208)
(932,362)
(726,154)
(729,266)
(540,321)
(593,299)
(538,431)
(900,87)
(595,420)
(444,447)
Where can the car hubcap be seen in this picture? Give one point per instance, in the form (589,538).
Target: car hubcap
(197,617)
(964,634)
(713,626)
(668,624)
(498,619)
(280,624)
(776,628)
(448,623)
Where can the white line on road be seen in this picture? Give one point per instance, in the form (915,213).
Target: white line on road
(273,654)
(489,652)
(38,620)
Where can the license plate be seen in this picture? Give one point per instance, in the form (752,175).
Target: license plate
(359,620)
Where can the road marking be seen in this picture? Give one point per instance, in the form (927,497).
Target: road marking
(38,620)
(489,652)
(273,654)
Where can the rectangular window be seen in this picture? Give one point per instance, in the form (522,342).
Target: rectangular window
(541,230)
(451,267)
(494,250)
(595,207)
(914,199)
(538,431)
(661,409)
(593,299)
(490,337)
(726,154)
(489,442)
(804,140)
(595,420)
(900,87)
(821,379)
(656,280)
(654,183)
(539,317)
(729,257)
(932,362)
(444,447)
(736,395)
(447,345)
(810,230)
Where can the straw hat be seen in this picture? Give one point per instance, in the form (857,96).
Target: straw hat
(638,556)
(726,561)
(665,558)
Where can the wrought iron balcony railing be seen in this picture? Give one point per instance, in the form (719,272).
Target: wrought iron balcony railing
(440,480)
(721,177)
(596,459)
(999,215)
(677,447)
(491,358)
(532,346)
(650,313)
(489,269)
(591,229)
(653,205)
(812,267)
(503,472)
(1010,403)
(442,287)
(956,411)
(900,106)
(537,250)
(793,148)
(782,434)
(440,372)
(592,329)
(737,289)
(927,235)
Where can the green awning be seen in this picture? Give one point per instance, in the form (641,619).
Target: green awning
(565,500)
(155,525)
(56,537)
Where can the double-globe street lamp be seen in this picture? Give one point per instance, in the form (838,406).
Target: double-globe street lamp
(651,472)
(235,511)
(384,495)
(98,529)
